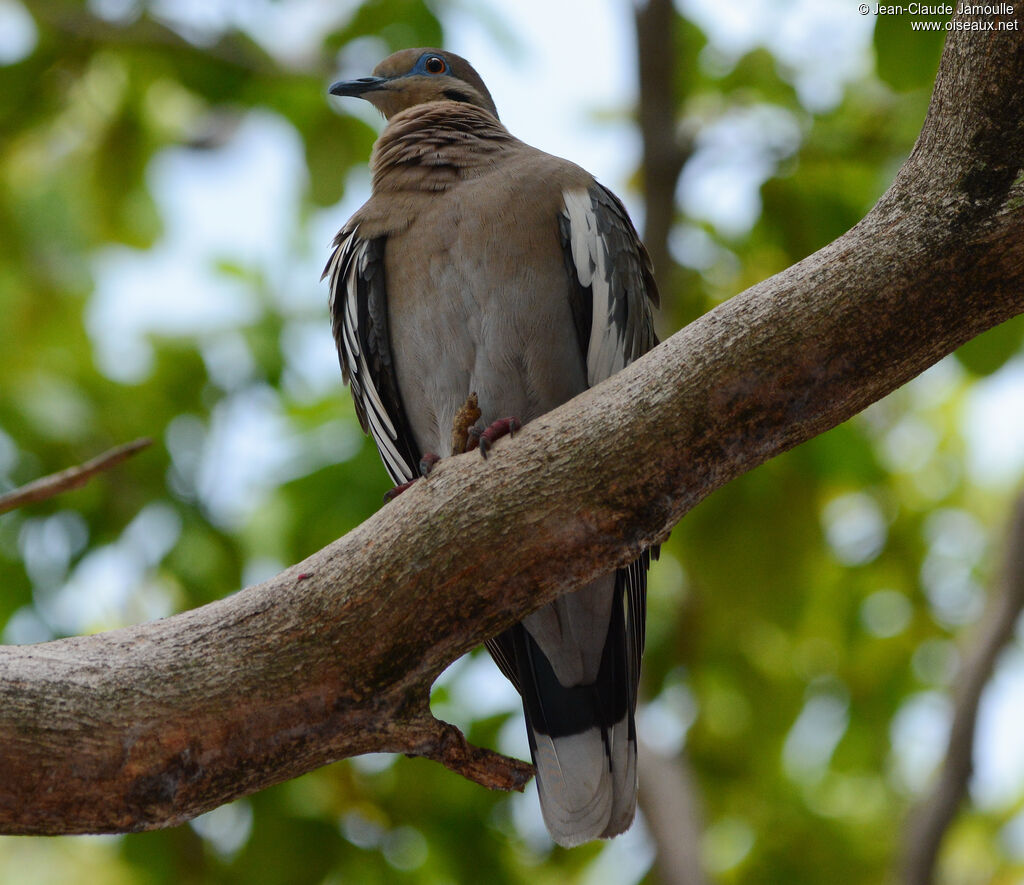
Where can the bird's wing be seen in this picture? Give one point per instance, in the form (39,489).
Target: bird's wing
(359,321)
(611,301)
(615,289)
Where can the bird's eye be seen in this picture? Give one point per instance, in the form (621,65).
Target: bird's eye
(435,65)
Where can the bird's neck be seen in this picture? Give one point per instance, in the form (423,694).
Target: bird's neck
(433,146)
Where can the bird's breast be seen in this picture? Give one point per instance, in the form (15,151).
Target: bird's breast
(478,301)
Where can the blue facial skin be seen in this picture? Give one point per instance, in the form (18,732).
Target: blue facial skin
(421,66)
(372,84)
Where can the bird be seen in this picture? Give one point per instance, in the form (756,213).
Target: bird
(483,269)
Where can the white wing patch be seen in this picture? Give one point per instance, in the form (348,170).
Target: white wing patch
(346,269)
(606,354)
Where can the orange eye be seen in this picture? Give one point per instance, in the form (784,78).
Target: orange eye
(435,65)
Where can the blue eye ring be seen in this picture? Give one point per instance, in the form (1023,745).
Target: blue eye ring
(434,64)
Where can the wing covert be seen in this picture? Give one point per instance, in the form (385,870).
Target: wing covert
(358,305)
(615,288)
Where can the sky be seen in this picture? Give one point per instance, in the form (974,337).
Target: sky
(564,82)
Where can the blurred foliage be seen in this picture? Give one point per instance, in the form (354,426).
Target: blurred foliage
(797,617)
(908,64)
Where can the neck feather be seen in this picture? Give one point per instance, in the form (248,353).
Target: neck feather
(432,146)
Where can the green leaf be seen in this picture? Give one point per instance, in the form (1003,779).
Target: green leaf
(398,23)
(333,146)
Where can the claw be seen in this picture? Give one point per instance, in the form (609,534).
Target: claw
(483,439)
(426,464)
(391,494)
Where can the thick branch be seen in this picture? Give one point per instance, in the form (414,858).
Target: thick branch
(151,725)
(71,478)
(931,819)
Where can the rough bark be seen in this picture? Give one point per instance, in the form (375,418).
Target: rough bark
(151,725)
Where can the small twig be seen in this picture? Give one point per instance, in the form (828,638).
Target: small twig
(71,478)
(444,743)
(929,821)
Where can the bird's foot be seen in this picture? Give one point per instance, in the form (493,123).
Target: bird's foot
(391,494)
(483,439)
(427,463)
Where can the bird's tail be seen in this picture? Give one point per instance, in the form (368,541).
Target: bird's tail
(587,781)
(582,736)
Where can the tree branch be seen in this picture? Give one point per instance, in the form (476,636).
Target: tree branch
(665,150)
(71,478)
(928,822)
(668,799)
(151,725)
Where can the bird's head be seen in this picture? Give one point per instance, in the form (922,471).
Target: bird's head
(417,76)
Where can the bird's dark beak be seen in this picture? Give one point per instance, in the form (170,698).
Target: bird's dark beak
(358,87)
